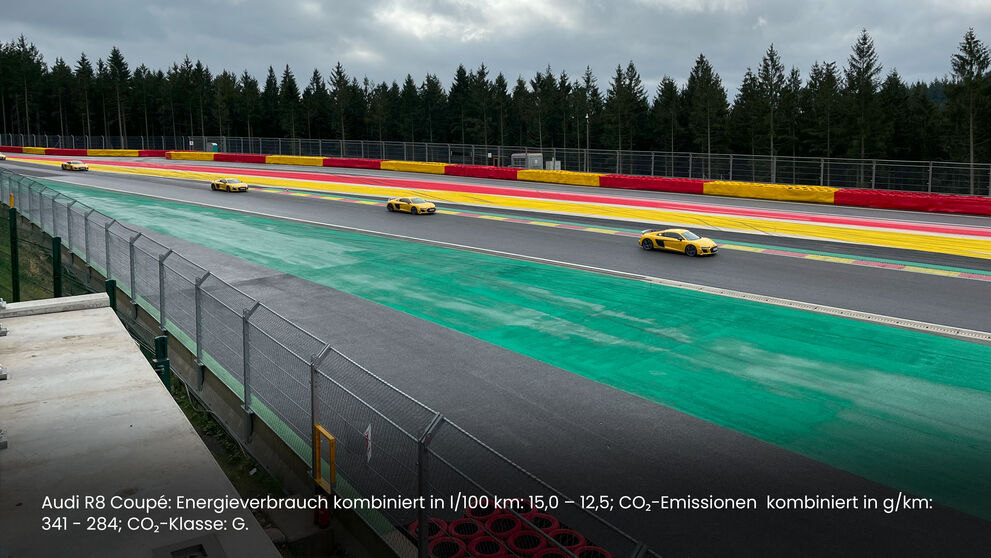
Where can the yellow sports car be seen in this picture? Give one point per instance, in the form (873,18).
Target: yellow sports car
(3,157)
(413,206)
(677,240)
(229,185)
(75,165)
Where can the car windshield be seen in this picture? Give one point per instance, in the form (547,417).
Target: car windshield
(233,181)
(75,162)
(690,235)
(418,200)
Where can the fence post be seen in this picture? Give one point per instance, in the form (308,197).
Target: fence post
(86,250)
(690,165)
(68,226)
(134,284)
(422,482)
(56,267)
(161,290)
(15,274)
(106,238)
(54,226)
(249,419)
(731,166)
(315,362)
(198,334)
(873,172)
(930,186)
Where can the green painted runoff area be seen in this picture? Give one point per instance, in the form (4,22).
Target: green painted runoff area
(903,408)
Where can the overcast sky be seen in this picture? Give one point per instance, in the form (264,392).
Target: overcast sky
(386,39)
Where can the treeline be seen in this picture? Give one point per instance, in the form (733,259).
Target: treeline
(851,111)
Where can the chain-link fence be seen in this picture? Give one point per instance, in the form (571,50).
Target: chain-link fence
(916,176)
(387,443)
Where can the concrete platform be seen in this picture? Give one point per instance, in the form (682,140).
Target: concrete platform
(86,416)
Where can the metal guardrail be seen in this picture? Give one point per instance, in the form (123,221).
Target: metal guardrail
(882,174)
(295,382)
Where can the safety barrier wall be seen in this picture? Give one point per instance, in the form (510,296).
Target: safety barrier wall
(502,173)
(656,184)
(414,166)
(559,177)
(814,194)
(881,199)
(914,201)
(190,155)
(151,153)
(239,158)
(294,160)
(112,152)
(352,163)
(297,384)
(84,152)
(66,152)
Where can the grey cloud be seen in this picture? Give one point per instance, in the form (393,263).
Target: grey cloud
(663,37)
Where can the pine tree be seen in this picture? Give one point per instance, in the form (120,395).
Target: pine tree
(665,112)
(707,109)
(862,84)
(84,80)
(771,82)
(288,103)
(119,75)
(969,79)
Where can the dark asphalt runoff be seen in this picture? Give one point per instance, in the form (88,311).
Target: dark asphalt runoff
(586,438)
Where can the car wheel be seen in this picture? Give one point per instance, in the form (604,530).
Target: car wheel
(646,244)
(690,250)
(213,187)
(389,207)
(413,211)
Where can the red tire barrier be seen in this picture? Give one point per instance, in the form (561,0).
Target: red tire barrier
(913,201)
(502,173)
(654,183)
(526,542)
(502,526)
(11,149)
(572,540)
(464,529)
(239,158)
(447,547)
(65,152)
(487,547)
(592,552)
(352,163)
(545,522)
(438,527)
(151,153)
(483,514)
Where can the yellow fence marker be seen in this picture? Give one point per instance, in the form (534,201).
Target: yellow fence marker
(319,433)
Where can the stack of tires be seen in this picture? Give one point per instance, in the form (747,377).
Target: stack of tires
(490,532)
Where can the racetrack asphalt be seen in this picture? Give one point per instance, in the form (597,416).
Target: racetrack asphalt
(589,438)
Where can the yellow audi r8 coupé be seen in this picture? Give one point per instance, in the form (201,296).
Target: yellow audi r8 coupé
(75,166)
(413,206)
(229,185)
(677,240)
